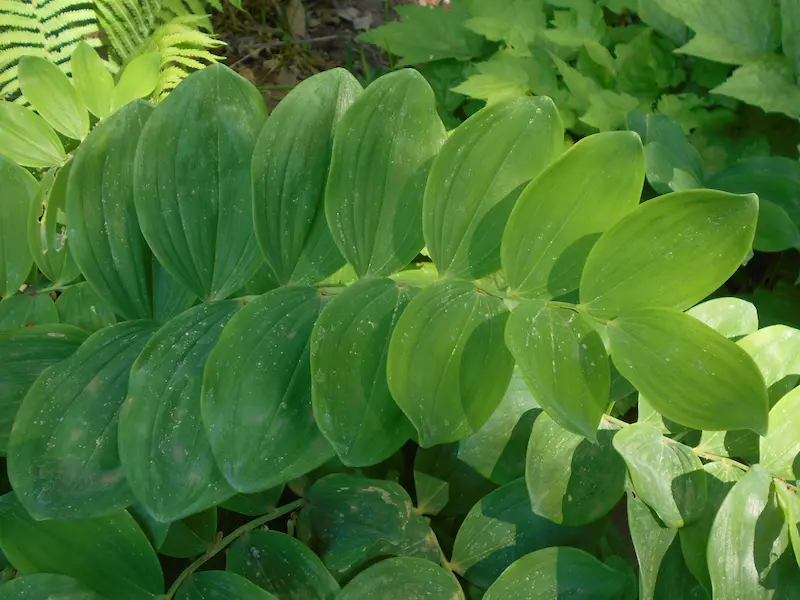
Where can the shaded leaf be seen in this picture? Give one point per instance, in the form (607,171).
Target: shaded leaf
(191,535)
(46,585)
(18,191)
(80,306)
(25,310)
(403,578)
(220,585)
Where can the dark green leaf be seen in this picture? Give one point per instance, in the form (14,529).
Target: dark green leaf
(81,306)
(382,152)
(290,168)
(18,191)
(220,585)
(257,392)
(25,310)
(46,586)
(352,403)
(448,366)
(255,504)
(403,578)
(156,531)
(199,224)
(790,21)
(63,460)
(191,535)
(170,298)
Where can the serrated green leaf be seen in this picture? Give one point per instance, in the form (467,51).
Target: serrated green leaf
(781,446)
(27,139)
(63,460)
(506,77)
(200,226)
(53,96)
(564,362)
(651,13)
(92,79)
(557,573)
(80,306)
(24,310)
(138,80)
(641,261)
(351,400)
(517,23)
(110,555)
(731,317)
(18,191)
(102,225)
(351,520)
(570,480)
(448,366)
(769,84)
(403,578)
(191,535)
(256,402)
(382,152)
(290,169)
(608,110)
(162,445)
(47,585)
(502,147)
(220,585)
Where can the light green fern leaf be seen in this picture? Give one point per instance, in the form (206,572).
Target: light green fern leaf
(188,8)
(127,24)
(51,29)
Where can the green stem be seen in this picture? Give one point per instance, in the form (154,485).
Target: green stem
(219,546)
(52,288)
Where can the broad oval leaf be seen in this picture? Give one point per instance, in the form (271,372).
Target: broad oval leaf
(162,442)
(667,475)
(47,234)
(564,362)
(138,80)
(652,541)
(776,351)
(110,555)
(17,191)
(570,480)
(191,535)
(501,528)
(448,366)
(477,177)
(282,566)
(53,96)
(382,152)
(349,520)
(780,448)
(25,310)
(563,212)
(352,403)
(92,79)
(46,585)
(290,170)
(63,460)
(24,354)
(256,402)
(220,585)
(557,573)
(102,225)
(732,317)
(689,373)
(79,305)
(403,578)
(27,139)
(198,219)
(643,260)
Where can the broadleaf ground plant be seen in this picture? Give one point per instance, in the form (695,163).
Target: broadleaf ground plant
(248,384)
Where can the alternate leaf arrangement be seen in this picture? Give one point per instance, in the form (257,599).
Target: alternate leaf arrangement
(199,361)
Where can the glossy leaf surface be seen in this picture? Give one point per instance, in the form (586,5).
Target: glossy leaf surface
(781,446)
(27,139)
(403,578)
(732,317)
(221,585)
(47,585)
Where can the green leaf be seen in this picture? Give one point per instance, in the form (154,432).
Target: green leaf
(24,310)
(170,298)
(403,578)
(781,446)
(776,351)
(156,531)
(790,28)
(53,96)
(27,139)
(63,461)
(282,566)
(351,520)
(92,79)
(502,148)
(769,84)
(256,402)
(220,585)
(515,22)
(448,367)
(80,305)
(102,226)
(608,110)
(138,80)
(642,261)
(731,317)
(47,234)
(560,216)
(502,528)
(200,226)
(651,13)
(667,475)
(669,153)
(557,573)
(18,191)
(652,540)
(426,34)
(191,535)
(790,503)
(382,152)
(46,585)
(255,504)
(570,480)
(736,32)
(446,485)
(352,404)
(290,168)
(505,77)
(162,443)
(110,555)
(497,450)
(24,354)
(564,362)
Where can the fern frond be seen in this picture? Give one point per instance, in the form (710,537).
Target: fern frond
(188,8)
(128,24)
(51,29)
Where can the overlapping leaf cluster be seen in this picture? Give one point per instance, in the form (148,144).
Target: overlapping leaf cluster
(205,360)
